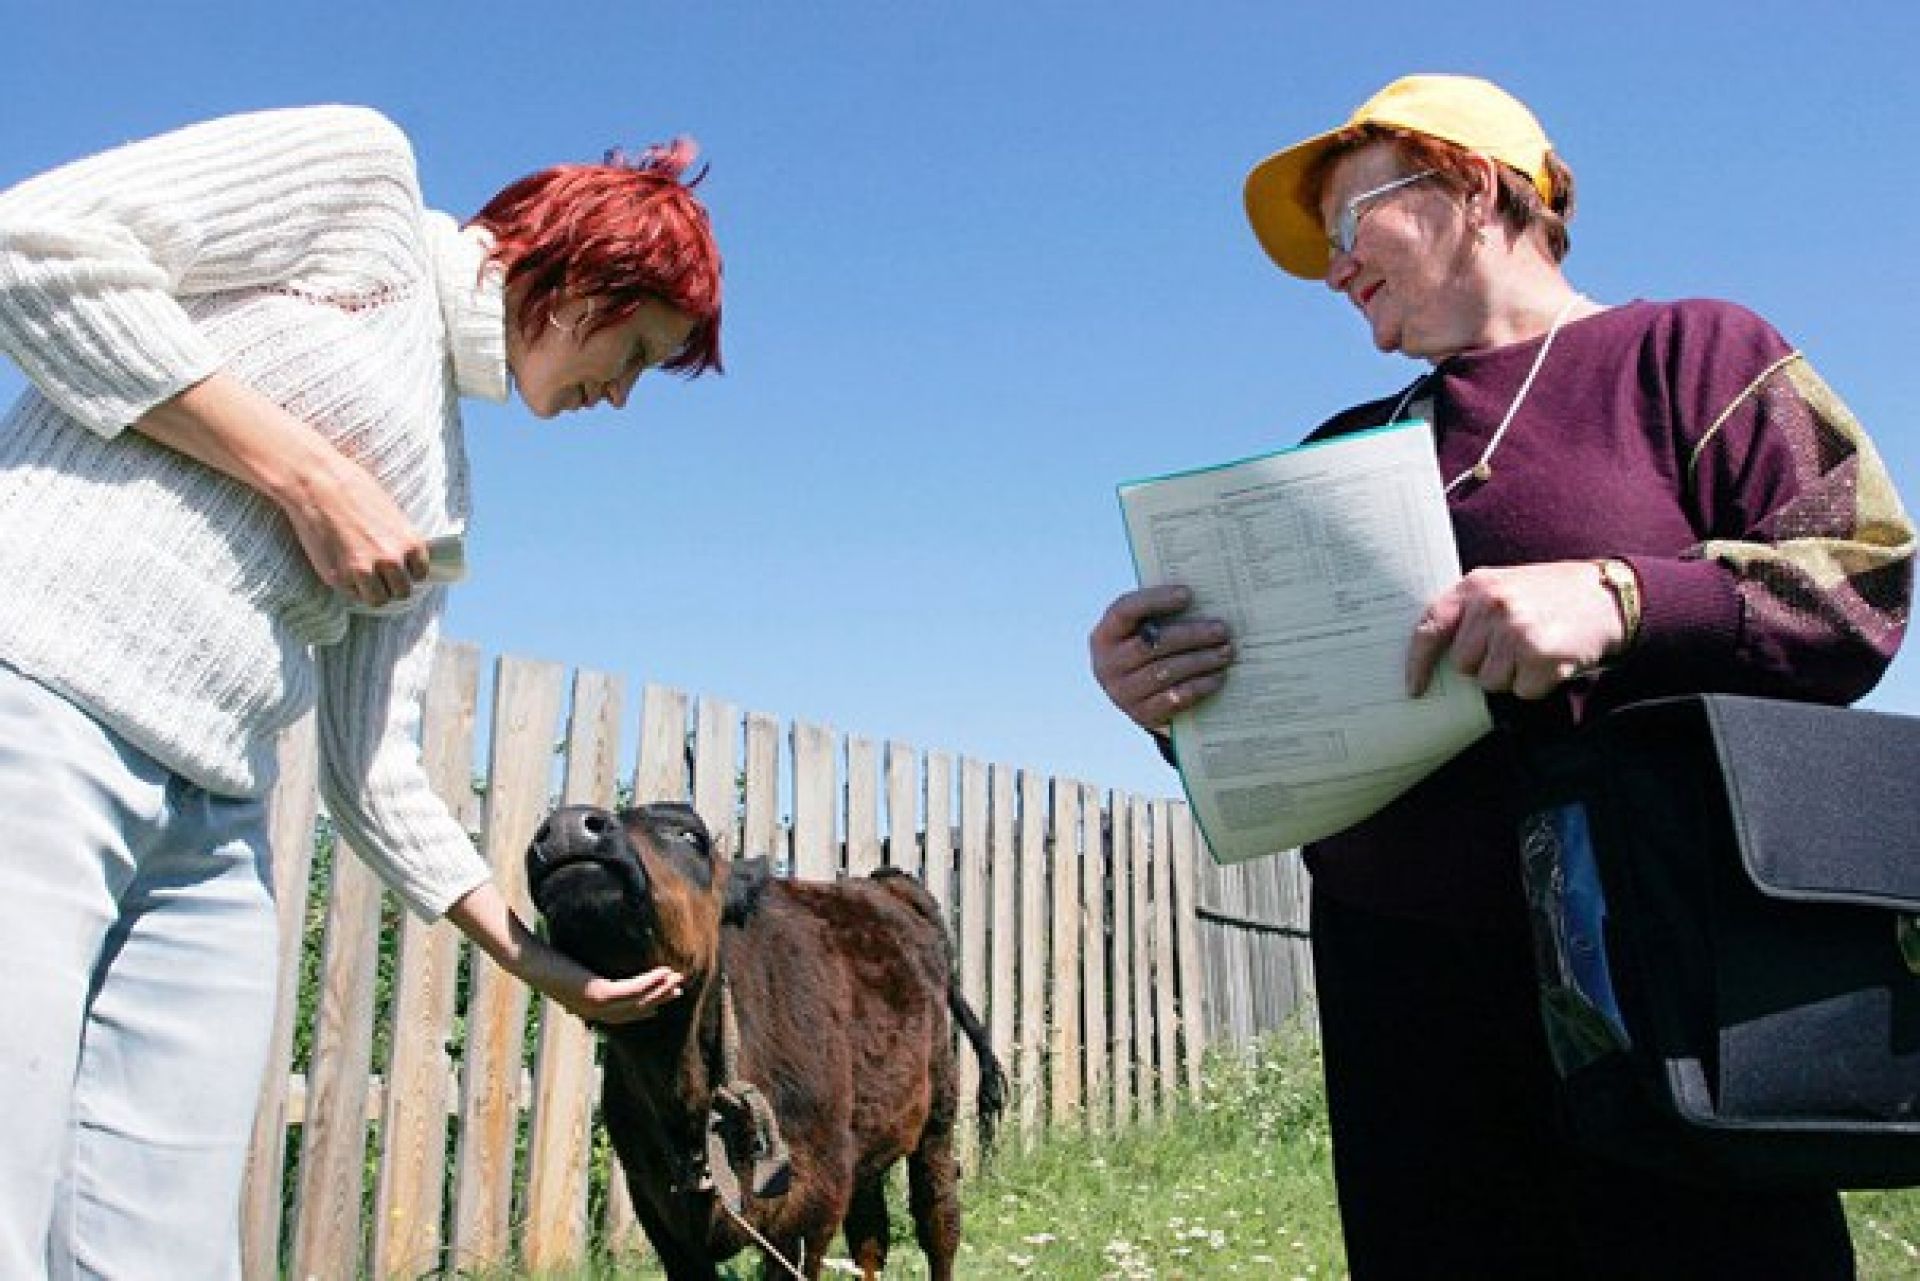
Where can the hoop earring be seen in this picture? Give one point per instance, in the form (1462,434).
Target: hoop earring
(1476,220)
(572,330)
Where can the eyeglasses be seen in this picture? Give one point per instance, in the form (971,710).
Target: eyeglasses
(1346,227)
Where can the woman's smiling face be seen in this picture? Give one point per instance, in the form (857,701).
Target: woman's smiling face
(1406,269)
(571,364)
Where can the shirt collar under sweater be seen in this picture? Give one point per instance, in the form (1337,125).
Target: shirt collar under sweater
(473,301)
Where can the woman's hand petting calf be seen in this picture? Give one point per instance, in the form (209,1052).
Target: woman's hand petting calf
(628,1000)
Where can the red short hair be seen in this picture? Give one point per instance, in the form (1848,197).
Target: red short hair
(620,232)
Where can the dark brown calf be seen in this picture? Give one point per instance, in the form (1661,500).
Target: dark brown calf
(841,994)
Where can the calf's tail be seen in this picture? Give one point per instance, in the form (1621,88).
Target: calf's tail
(990,1103)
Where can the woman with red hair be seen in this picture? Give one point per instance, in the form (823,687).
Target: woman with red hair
(231,495)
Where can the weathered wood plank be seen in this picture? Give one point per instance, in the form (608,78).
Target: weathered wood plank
(903,808)
(1120,972)
(1193,994)
(1140,876)
(1035,940)
(559,1137)
(1240,990)
(662,771)
(1299,946)
(760,833)
(1210,892)
(411,1191)
(863,807)
(1166,1080)
(940,871)
(1272,981)
(816,845)
(526,717)
(716,774)
(294,807)
(333,1150)
(1095,990)
(976,910)
(1066,1073)
(1003,932)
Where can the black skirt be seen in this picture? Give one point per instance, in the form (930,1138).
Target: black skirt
(1448,1154)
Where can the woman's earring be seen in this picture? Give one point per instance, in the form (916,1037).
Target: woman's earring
(574,328)
(1477,221)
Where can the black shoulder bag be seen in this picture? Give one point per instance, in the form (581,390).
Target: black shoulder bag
(1725,899)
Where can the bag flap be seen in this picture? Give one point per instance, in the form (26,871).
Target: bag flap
(1825,801)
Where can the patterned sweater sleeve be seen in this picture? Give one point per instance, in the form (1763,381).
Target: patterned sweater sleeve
(372,778)
(1805,551)
(99,259)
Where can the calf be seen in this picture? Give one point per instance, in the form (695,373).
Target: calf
(830,1002)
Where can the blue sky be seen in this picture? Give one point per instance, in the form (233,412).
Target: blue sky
(985,260)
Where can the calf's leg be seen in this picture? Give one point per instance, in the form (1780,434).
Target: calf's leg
(680,1262)
(933,1178)
(867,1228)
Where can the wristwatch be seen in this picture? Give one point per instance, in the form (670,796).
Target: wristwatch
(1619,578)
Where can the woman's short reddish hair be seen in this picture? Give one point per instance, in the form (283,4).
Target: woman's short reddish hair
(621,232)
(1516,200)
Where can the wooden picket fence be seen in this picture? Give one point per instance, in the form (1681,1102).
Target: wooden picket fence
(1103,948)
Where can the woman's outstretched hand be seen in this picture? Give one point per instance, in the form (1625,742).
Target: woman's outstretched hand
(484,916)
(617,1001)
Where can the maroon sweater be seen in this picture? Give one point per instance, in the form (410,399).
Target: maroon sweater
(1691,440)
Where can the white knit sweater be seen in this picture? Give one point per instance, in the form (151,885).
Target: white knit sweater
(291,249)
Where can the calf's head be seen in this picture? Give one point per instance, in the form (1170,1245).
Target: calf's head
(625,893)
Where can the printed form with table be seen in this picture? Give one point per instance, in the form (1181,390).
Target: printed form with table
(1320,558)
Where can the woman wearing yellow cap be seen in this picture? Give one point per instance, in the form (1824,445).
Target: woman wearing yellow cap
(1648,498)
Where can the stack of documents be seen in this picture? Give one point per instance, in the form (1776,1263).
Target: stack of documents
(1320,559)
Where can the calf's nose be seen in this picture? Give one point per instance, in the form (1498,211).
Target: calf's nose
(573,832)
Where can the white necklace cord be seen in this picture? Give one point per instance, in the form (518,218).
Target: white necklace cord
(1482,469)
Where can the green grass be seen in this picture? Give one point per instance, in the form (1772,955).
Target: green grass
(1235,1185)
(1886,1233)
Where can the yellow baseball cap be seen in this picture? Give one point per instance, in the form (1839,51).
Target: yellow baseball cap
(1464,110)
